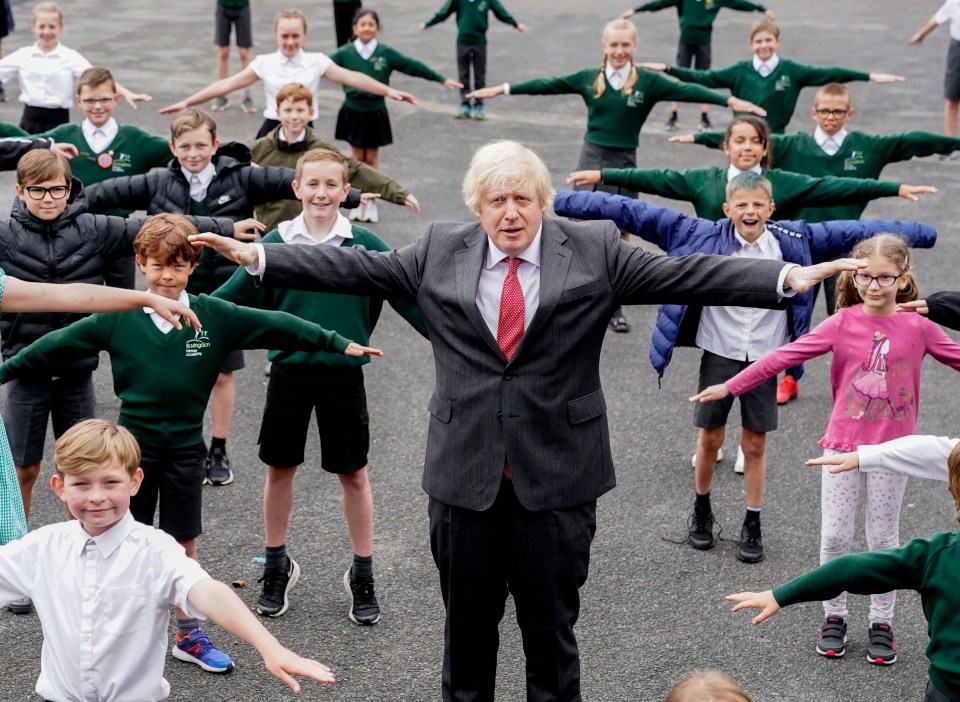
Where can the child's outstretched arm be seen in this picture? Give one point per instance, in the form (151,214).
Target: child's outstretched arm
(355,349)
(221,605)
(838,462)
(924,31)
(764,601)
(711,394)
(131,97)
(243,79)
(362,81)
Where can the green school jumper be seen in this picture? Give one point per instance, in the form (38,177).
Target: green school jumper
(472,18)
(861,156)
(931,566)
(354,316)
(706,188)
(614,119)
(164,380)
(697,16)
(379,66)
(132,152)
(777,93)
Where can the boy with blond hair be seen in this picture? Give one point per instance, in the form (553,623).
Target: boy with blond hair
(122,577)
(151,363)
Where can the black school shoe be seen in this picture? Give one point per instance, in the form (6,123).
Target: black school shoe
(750,549)
(364,609)
(277,584)
(700,534)
(216,467)
(619,323)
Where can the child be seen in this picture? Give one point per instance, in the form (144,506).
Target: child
(472,23)
(769,81)
(236,14)
(732,337)
(343,12)
(293,138)
(707,686)
(927,565)
(949,12)
(618,97)
(209,179)
(46,72)
(109,150)
(363,120)
(875,378)
(150,364)
(289,64)
(304,381)
(50,238)
(101,576)
(696,28)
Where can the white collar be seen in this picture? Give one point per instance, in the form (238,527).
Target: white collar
(733,171)
(296,229)
(205,176)
(184,300)
(623,72)
(770,63)
(107,542)
(531,254)
(366,50)
(821,137)
(763,243)
(296,59)
(109,129)
(53,52)
(282,136)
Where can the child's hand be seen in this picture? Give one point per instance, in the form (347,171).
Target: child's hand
(584,177)
(68,150)
(910,192)
(412,202)
(738,105)
(355,349)
(237,251)
(175,107)
(521,27)
(886,78)
(917,38)
(283,664)
(919,306)
(661,67)
(626,14)
(242,229)
(169,309)
(764,601)
(423,26)
(401,96)
(133,98)
(711,394)
(770,16)
(485,93)
(450,84)
(682,139)
(369,197)
(838,462)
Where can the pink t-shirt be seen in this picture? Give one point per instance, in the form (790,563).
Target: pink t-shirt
(874,376)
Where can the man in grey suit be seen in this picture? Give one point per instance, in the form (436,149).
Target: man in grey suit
(518,449)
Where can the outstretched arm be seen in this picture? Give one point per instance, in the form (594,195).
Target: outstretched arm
(131,97)
(924,31)
(361,81)
(243,79)
(764,601)
(221,605)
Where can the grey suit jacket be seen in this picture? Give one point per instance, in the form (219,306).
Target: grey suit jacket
(544,410)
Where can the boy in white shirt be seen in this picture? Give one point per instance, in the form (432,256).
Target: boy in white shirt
(948,12)
(123,577)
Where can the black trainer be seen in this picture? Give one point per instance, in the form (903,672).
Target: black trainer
(750,549)
(21,606)
(705,125)
(217,468)
(882,649)
(364,609)
(671,124)
(619,323)
(276,586)
(832,641)
(701,531)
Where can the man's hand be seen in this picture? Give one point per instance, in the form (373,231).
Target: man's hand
(910,192)
(764,601)
(68,150)
(283,663)
(838,462)
(169,309)
(237,251)
(919,306)
(412,202)
(738,105)
(584,178)
(711,394)
(247,229)
(355,349)
(801,279)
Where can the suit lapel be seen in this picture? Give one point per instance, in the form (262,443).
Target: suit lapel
(469,263)
(554,263)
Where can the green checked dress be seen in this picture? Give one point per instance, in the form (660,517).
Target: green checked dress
(13,524)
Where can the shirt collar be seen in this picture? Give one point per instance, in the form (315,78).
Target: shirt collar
(623,72)
(531,254)
(771,63)
(296,229)
(763,243)
(282,136)
(107,542)
(206,175)
(733,171)
(365,50)
(183,300)
(109,129)
(53,52)
(295,60)
(821,137)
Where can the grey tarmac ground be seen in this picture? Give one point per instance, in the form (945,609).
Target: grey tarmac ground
(651,609)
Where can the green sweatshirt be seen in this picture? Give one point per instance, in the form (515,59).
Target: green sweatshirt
(472,19)
(270,150)
(930,566)
(706,188)
(164,380)
(614,119)
(11,130)
(697,16)
(777,93)
(355,316)
(379,66)
(132,152)
(861,156)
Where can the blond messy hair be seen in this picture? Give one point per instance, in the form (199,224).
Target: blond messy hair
(43,8)
(503,165)
(321,156)
(707,686)
(834,90)
(92,443)
(191,118)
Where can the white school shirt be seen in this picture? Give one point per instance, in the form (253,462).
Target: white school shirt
(829,144)
(295,232)
(733,171)
(365,50)
(913,456)
(99,138)
(276,70)
(104,605)
(46,79)
(199,182)
(950,12)
(745,333)
(765,68)
(618,77)
(494,272)
(162,324)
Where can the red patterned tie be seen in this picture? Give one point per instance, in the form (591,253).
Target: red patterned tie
(510,325)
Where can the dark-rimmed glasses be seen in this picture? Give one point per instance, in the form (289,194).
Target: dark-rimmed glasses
(38,192)
(884,281)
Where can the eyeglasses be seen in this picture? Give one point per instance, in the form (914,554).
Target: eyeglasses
(884,281)
(37,192)
(92,102)
(832,113)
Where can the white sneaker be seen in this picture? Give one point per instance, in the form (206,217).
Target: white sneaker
(372,214)
(354,214)
(693,460)
(738,464)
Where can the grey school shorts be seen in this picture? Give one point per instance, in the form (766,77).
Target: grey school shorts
(694,56)
(31,401)
(951,80)
(758,408)
(238,17)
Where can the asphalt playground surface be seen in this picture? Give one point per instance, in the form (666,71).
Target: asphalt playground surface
(652,608)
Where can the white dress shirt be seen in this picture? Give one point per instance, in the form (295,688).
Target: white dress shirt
(104,605)
(618,77)
(295,232)
(733,171)
(914,456)
(745,333)
(493,274)
(46,79)
(99,138)
(830,144)
(365,50)
(950,12)
(162,324)
(199,182)
(765,68)
(276,70)
(298,139)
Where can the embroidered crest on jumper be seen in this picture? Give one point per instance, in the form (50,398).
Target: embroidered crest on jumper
(380,64)
(635,98)
(853,161)
(197,344)
(783,83)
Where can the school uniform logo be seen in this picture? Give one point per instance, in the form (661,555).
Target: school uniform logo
(483,5)
(635,98)
(783,83)
(380,64)
(197,344)
(854,161)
